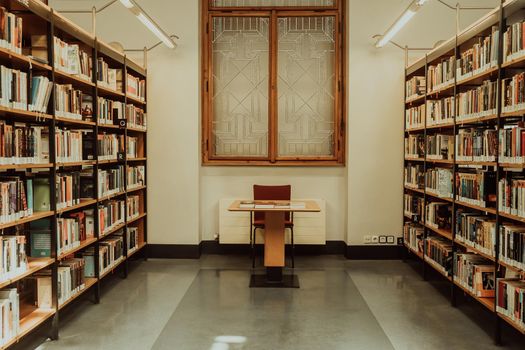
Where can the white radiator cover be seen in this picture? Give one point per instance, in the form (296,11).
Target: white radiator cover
(234,227)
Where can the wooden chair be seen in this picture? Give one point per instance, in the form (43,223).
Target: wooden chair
(282,193)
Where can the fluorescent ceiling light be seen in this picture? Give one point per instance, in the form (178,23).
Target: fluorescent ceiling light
(401,22)
(127,3)
(148,22)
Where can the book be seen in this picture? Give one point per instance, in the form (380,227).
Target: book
(72,59)
(441,74)
(69,145)
(23,143)
(246,204)
(136,176)
(110,146)
(136,87)
(439,146)
(71,279)
(110,215)
(478,102)
(40,238)
(476,231)
(439,215)
(413,207)
(133,206)
(477,188)
(415,86)
(482,56)
(415,117)
(69,102)
(475,273)
(11,29)
(41,89)
(440,111)
(136,117)
(110,112)
(13,88)
(413,236)
(10,313)
(87,107)
(44,292)
(477,144)
(41,194)
(110,181)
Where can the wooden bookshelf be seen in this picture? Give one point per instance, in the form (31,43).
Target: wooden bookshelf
(83,244)
(88,283)
(494,72)
(42,21)
(34,265)
(81,205)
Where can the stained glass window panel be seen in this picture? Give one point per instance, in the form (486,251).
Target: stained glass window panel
(240,48)
(268,3)
(306,89)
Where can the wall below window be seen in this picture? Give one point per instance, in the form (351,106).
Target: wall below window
(362,199)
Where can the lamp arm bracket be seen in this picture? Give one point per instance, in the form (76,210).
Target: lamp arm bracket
(459,7)
(404,47)
(102,8)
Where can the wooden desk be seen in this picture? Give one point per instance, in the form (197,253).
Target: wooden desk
(274,245)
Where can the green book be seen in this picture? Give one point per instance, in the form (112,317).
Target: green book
(41,194)
(40,244)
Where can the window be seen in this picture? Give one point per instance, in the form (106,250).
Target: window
(273,82)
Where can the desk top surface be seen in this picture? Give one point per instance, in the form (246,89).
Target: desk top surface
(275,206)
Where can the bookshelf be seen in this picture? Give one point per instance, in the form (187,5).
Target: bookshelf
(464,163)
(80,148)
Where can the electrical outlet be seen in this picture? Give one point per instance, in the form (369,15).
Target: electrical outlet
(367,239)
(390,239)
(400,240)
(375,239)
(382,239)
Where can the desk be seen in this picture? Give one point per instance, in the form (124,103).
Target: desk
(274,259)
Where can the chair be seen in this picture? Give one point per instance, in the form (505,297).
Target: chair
(282,193)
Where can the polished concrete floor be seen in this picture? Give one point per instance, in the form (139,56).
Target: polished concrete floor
(186,304)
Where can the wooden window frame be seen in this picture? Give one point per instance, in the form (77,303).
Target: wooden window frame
(340,83)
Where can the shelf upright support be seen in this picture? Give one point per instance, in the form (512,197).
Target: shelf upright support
(502,24)
(96,289)
(125,130)
(52,154)
(405,248)
(94,20)
(145,141)
(423,215)
(453,296)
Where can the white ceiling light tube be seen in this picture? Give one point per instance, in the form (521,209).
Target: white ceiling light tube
(148,22)
(405,17)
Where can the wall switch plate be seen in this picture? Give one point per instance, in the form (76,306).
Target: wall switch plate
(375,239)
(390,239)
(367,239)
(382,239)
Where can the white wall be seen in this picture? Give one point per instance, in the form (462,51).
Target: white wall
(363,198)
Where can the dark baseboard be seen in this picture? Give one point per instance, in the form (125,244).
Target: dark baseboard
(331,248)
(194,251)
(374,252)
(173,251)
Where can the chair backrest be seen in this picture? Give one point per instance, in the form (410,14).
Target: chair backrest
(264,193)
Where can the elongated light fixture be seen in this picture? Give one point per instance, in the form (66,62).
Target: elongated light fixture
(148,22)
(400,23)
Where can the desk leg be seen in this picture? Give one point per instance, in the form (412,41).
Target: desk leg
(274,256)
(274,240)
